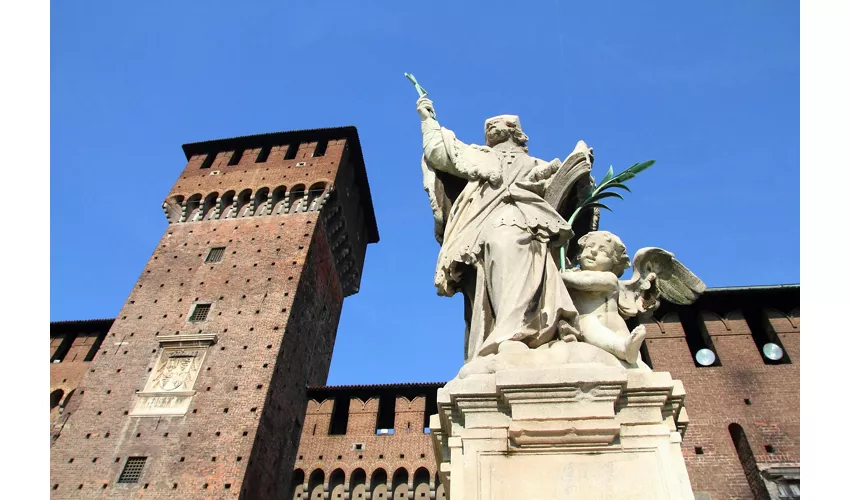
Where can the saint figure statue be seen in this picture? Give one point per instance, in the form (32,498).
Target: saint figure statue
(497,230)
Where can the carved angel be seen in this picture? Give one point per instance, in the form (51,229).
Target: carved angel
(604,301)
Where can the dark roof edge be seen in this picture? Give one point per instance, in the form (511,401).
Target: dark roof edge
(258,140)
(80,321)
(401,385)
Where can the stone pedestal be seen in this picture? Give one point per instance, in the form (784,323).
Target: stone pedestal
(574,431)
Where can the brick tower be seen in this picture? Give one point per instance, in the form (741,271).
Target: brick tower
(199,387)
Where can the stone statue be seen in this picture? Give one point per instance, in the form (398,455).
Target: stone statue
(553,400)
(603,301)
(499,217)
(496,229)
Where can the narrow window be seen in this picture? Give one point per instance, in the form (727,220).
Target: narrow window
(208,161)
(236,157)
(339,416)
(215,254)
(321,147)
(291,152)
(765,337)
(699,341)
(200,312)
(132,470)
(64,348)
(430,409)
(264,154)
(748,462)
(386,414)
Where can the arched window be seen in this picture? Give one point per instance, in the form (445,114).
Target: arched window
(296,488)
(226,205)
(421,484)
(296,199)
(260,200)
(400,484)
(357,485)
(379,485)
(55,397)
(209,206)
(440,489)
(314,196)
(193,207)
(316,487)
(243,204)
(173,208)
(336,485)
(748,462)
(277,199)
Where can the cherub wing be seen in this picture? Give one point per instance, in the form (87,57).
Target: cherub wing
(658,274)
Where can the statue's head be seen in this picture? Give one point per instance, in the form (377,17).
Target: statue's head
(603,251)
(502,128)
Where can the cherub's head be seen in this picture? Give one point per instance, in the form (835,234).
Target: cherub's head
(603,251)
(502,128)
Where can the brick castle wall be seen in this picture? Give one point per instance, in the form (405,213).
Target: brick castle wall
(275,298)
(715,401)
(717,398)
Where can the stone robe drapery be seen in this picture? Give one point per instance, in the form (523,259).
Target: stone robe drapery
(495,242)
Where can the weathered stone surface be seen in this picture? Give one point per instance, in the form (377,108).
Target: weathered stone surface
(582,430)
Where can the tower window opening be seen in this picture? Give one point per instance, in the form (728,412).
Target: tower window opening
(236,157)
(208,161)
(699,341)
(321,148)
(264,154)
(215,254)
(765,336)
(339,416)
(291,151)
(200,312)
(132,470)
(386,415)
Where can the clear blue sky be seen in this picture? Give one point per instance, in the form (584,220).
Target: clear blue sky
(709,90)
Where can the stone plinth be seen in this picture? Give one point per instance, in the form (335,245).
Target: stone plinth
(574,431)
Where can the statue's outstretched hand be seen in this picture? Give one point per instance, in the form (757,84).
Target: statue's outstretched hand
(425,108)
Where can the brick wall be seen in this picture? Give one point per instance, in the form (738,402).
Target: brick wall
(716,395)
(71,342)
(275,302)
(360,458)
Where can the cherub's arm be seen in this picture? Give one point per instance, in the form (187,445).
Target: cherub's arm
(590,281)
(638,296)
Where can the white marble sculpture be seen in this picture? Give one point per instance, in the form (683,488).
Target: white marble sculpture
(553,400)
(497,226)
(604,302)
(496,234)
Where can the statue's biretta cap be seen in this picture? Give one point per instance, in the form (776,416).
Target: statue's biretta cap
(513,119)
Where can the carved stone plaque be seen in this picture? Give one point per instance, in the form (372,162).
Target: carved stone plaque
(169,390)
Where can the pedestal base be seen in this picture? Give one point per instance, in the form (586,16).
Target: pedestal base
(576,431)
